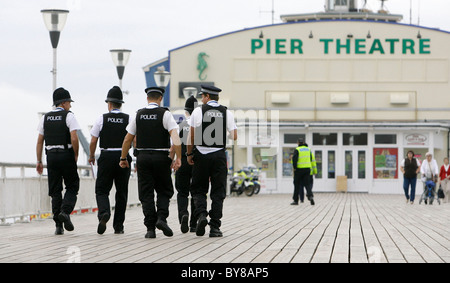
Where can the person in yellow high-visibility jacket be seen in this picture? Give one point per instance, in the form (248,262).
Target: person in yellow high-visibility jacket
(302,163)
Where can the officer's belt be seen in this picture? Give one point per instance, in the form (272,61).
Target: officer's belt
(151,151)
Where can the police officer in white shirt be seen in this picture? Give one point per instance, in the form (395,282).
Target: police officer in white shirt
(209,126)
(183,176)
(110,128)
(58,129)
(153,128)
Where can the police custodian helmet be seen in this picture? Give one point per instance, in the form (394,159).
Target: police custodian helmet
(115,95)
(190,104)
(61,95)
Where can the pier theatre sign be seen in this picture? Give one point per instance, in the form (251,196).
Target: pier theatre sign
(344,46)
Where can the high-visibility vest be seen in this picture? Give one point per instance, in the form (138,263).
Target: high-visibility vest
(304,157)
(313,165)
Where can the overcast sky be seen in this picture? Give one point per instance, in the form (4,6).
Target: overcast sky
(150,28)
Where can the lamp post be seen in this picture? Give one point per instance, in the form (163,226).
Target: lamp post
(189,91)
(162,78)
(54,21)
(120,58)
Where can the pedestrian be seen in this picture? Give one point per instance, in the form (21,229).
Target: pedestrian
(410,167)
(153,128)
(209,126)
(58,129)
(110,128)
(183,175)
(429,170)
(313,170)
(444,175)
(302,164)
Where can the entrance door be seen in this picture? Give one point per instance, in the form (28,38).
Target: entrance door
(325,180)
(355,166)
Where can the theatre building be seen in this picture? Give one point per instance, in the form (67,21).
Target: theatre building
(359,86)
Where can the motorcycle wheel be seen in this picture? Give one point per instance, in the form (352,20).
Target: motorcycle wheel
(257,188)
(249,190)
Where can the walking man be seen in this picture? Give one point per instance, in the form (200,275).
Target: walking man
(110,128)
(183,175)
(153,128)
(58,129)
(209,126)
(302,163)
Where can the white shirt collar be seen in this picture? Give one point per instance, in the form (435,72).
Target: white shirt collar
(152,105)
(213,103)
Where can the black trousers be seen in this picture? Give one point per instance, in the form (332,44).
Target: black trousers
(61,166)
(209,167)
(302,181)
(110,172)
(183,178)
(154,175)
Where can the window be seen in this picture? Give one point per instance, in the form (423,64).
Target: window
(385,139)
(293,138)
(287,161)
(266,159)
(318,157)
(324,139)
(355,139)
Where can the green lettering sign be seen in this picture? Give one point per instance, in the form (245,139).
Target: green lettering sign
(376,46)
(326,42)
(256,44)
(296,44)
(408,44)
(282,46)
(279,46)
(339,46)
(423,45)
(360,44)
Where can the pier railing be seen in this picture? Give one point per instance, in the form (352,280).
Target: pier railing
(24,193)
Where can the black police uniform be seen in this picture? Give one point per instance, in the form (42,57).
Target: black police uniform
(61,164)
(153,167)
(183,175)
(210,166)
(111,138)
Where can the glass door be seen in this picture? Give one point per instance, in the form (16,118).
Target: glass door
(356,169)
(325,179)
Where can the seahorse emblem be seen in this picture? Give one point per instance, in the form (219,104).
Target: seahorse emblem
(202,65)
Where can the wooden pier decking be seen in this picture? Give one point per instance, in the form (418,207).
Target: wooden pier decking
(340,228)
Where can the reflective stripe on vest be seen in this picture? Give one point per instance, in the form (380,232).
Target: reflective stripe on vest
(304,157)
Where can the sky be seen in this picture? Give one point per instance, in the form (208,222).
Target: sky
(149,28)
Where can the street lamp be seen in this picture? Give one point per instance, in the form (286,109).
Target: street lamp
(190,91)
(120,58)
(162,77)
(54,21)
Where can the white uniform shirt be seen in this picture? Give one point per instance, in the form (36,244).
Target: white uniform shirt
(196,121)
(169,122)
(98,126)
(71,123)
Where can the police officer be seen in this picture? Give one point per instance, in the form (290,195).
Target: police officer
(302,164)
(58,129)
(153,128)
(110,128)
(183,175)
(209,126)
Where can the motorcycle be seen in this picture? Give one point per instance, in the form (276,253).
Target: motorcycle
(255,179)
(241,182)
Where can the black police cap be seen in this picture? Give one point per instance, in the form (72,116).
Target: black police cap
(61,95)
(154,90)
(210,89)
(115,95)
